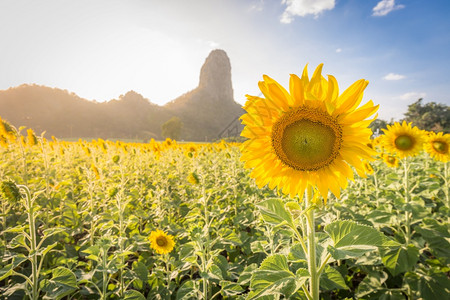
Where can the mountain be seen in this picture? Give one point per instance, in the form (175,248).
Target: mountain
(210,107)
(65,115)
(205,111)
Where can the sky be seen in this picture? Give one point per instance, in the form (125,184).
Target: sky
(101,49)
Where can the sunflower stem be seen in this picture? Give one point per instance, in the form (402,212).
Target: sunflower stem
(33,253)
(446,187)
(168,272)
(206,246)
(375,181)
(312,267)
(407,213)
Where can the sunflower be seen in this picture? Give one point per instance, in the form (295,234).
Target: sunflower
(368,168)
(404,140)
(390,160)
(160,242)
(309,136)
(193,178)
(438,146)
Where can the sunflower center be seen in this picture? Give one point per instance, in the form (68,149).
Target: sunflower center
(404,142)
(161,241)
(391,159)
(440,147)
(306,139)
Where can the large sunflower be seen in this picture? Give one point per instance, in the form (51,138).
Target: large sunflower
(403,139)
(161,242)
(309,136)
(438,146)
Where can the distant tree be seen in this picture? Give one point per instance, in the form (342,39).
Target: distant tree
(432,116)
(172,128)
(377,125)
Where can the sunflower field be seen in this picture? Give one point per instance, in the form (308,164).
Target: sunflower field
(364,219)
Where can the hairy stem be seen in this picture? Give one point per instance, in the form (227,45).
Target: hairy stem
(407,213)
(310,229)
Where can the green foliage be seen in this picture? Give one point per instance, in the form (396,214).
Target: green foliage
(232,239)
(274,278)
(273,212)
(377,126)
(172,128)
(431,116)
(62,283)
(351,239)
(10,191)
(399,259)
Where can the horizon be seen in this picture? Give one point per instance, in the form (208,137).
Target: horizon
(157,49)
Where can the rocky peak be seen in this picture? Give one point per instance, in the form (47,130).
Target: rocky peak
(215,76)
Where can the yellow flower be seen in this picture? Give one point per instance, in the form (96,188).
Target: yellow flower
(437,145)
(368,168)
(390,160)
(31,138)
(95,170)
(168,143)
(160,242)
(404,140)
(309,136)
(193,178)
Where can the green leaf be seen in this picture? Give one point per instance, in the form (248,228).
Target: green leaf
(63,283)
(221,263)
(296,253)
(15,229)
(331,279)
(246,275)
(92,252)
(186,252)
(48,248)
(12,289)
(215,272)
(8,270)
(259,246)
(18,241)
(437,237)
(429,286)
(372,283)
(273,212)
(133,295)
(252,294)
(53,231)
(351,239)
(141,274)
(274,278)
(230,288)
(380,218)
(399,259)
(230,237)
(187,291)
(391,295)
(302,272)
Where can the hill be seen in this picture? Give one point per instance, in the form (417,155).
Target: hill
(205,111)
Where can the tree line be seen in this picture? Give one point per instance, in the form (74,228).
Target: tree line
(429,116)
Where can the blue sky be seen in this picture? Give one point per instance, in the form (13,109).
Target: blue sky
(104,48)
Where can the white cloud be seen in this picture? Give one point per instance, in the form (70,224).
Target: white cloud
(213,44)
(393,76)
(384,7)
(210,44)
(338,50)
(257,5)
(411,96)
(304,7)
